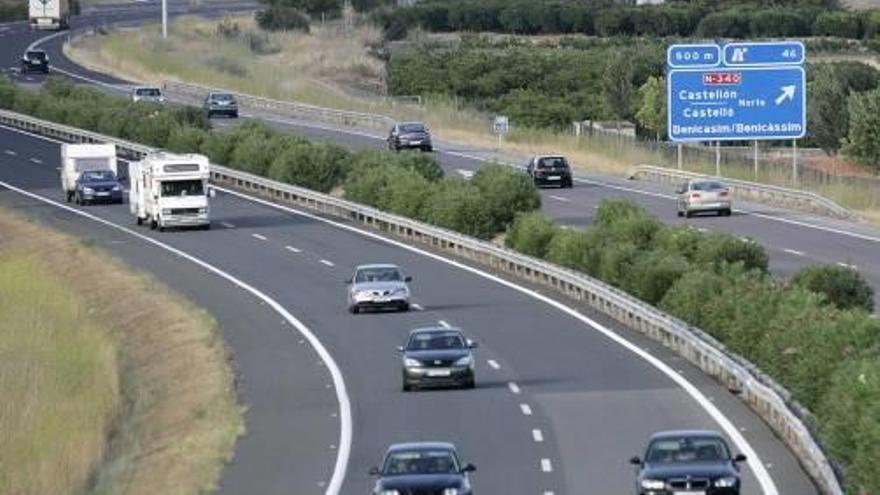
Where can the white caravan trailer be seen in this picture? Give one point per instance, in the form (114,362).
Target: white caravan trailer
(170,190)
(49,14)
(79,158)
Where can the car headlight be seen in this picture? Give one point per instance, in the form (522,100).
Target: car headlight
(728,482)
(450,491)
(166,211)
(401,290)
(88,190)
(116,188)
(389,492)
(465,361)
(653,484)
(203,211)
(412,363)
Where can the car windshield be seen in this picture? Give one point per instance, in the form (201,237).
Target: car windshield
(222,97)
(148,92)
(435,340)
(552,162)
(687,449)
(384,274)
(36,55)
(707,186)
(97,176)
(412,128)
(425,461)
(182,188)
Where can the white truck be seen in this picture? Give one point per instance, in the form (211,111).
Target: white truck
(49,14)
(170,190)
(79,158)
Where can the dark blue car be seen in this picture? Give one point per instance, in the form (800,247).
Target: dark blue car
(98,186)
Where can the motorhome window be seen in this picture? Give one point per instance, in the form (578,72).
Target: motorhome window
(81,164)
(181,167)
(182,188)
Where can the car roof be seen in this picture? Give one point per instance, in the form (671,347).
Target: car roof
(538,157)
(420,445)
(35,50)
(220,93)
(704,180)
(685,433)
(376,265)
(146,87)
(412,123)
(434,329)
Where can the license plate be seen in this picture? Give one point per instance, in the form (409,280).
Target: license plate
(554,177)
(102,193)
(688,493)
(436,373)
(415,142)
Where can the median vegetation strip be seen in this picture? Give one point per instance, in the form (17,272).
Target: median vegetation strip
(111,382)
(809,333)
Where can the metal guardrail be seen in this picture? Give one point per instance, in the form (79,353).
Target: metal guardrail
(781,196)
(769,400)
(286,108)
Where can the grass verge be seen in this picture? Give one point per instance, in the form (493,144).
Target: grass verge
(112,383)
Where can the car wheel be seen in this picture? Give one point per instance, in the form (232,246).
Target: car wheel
(139,220)
(234,115)
(687,214)
(727,212)
(428,149)
(207,226)
(406,387)
(679,213)
(568,184)
(153,224)
(471,383)
(354,309)
(404,307)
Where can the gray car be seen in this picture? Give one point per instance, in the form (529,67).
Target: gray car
(221,104)
(437,357)
(147,94)
(410,135)
(378,286)
(700,195)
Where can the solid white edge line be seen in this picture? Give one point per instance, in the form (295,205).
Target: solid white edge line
(754,461)
(546,465)
(794,252)
(525,409)
(345,417)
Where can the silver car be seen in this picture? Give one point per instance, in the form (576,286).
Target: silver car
(378,286)
(147,94)
(699,195)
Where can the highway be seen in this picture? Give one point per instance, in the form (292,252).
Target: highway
(560,404)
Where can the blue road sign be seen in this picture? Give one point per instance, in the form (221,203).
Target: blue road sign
(756,92)
(691,56)
(764,54)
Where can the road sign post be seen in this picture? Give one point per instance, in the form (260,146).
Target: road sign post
(738,91)
(501,126)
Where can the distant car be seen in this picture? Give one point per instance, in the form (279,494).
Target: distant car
(437,357)
(378,286)
(97,186)
(701,195)
(409,135)
(429,468)
(684,462)
(221,104)
(148,94)
(35,61)
(550,170)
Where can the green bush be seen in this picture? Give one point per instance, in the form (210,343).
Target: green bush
(458,205)
(506,192)
(367,185)
(843,287)
(726,24)
(531,234)
(839,24)
(574,249)
(186,139)
(612,211)
(616,262)
(7,92)
(779,23)
(320,167)
(407,193)
(690,296)
(281,18)
(654,273)
(717,249)
(15,11)
(421,163)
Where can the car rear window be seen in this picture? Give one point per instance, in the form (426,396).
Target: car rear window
(412,128)
(552,162)
(223,97)
(707,186)
(36,55)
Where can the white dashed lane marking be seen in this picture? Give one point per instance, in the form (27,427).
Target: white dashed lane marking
(417,307)
(258,236)
(227,225)
(526,409)
(794,252)
(444,324)
(36,160)
(292,249)
(537,436)
(494,364)
(327,262)
(11,153)
(546,465)
(513,387)
(559,198)
(847,265)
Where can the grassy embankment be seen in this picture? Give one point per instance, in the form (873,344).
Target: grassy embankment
(327,68)
(111,383)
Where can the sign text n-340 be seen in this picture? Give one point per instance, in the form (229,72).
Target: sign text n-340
(737,103)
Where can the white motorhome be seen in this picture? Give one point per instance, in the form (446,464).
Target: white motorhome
(49,14)
(79,158)
(170,190)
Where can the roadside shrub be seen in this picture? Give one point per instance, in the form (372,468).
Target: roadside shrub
(616,263)
(640,231)
(725,24)
(15,11)
(406,194)
(717,249)
(506,192)
(574,249)
(421,163)
(612,211)
(654,273)
(531,234)
(458,205)
(7,92)
(842,287)
(839,24)
(684,240)
(367,185)
(254,154)
(311,165)
(218,147)
(871,24)
(186,139)
(779,23)
(691,294)
(282,18)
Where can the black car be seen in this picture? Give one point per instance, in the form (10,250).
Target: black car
(35,61)
(688,462)
(221,104)
(423,468)
(409,135)
(98,186)
(437,357)
(553,170)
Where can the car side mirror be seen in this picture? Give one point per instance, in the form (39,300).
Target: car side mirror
(635,461)
(471,344)
(400,348)
(739,458)
(407,279)
(374,471)
(212,193)
(468,468)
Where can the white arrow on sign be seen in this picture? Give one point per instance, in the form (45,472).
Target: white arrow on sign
(787,94)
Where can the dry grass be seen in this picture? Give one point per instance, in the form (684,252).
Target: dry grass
(329,69)
(123,388)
